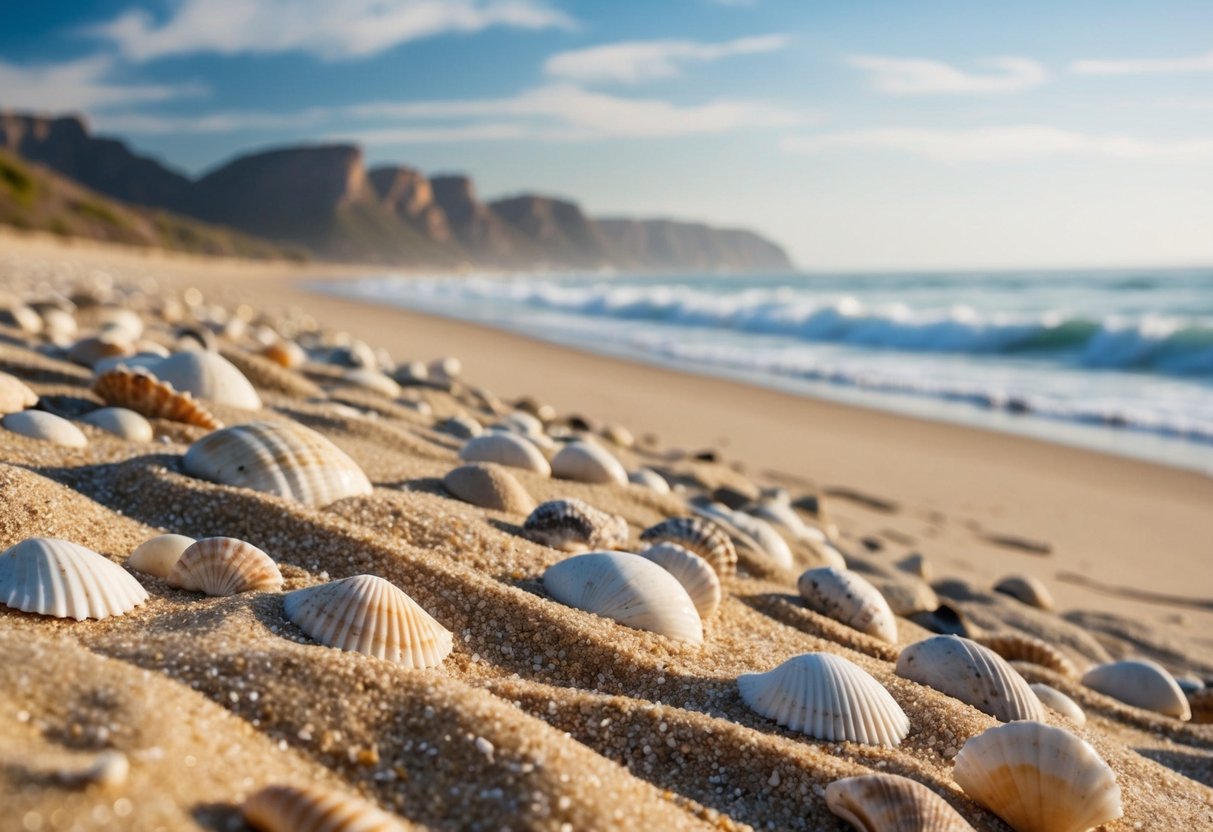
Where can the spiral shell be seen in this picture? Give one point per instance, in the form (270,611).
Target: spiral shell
(157,555)
(65,580)
(15,394)
(1019,647)
(45,427)
(583,462)
(314,809)
(221,566)
(695,574)
(506,449)
(208,375)
(1027,590)
(971,673)
(574,525)
(140,391)
(847,597)
(121,422)
(489,486)
(891,803)
(1053,698)
(1141,683)
(703,537)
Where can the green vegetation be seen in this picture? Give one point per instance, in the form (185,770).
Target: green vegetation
(18,181)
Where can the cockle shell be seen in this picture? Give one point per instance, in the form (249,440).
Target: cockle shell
(1051,697)
(1027,589)
(1141,683)
(15,394)
(208,375)
(47,427)
(120,422)
(891,803)
(650,479)
(826,697)
(847,597)
(574,525)
(286,460)
(366,614)
(157,555)
(286,354)
(220,566)
(750,532)
(369,378)
(1038,778)
(506,449)
(65,580)
(489,486)
(971,673)
(695,574)
(1020,647)
(143,393)
(314,809)
(583,462)
(628,589)
(703,537)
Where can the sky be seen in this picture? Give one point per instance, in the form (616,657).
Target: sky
(874,135)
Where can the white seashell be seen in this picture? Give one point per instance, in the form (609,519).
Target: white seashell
(628,589)
(366,614)
(15,394)
(619,435)
(695,574)
(583,462)
(506,449)
(139,360)
(847,597)
(65,580)
(1141,683)
(117,319)
(369,378)
(519,421)
(445,369)
(1051,697)
(88,351)
(752,533)
(965,670)
(20,316)
(891,803)
(220,566)
(1038,778)
(314,809)
(574,525)
(461,427)
(58,326)
(412,372)
(650,479)
(1026,589)
(489,486)
(157,555)
(208,375)
(286,460)
(703,537)
(121,422)
(47,427)
(826,697)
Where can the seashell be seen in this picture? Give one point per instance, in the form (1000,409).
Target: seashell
(519,421)
(461,427)
(891,803)
(286,354)
(847,597)
(445,369)
(1038,778)
(121,422)
(412,372)
(650,479)
(366,614)
(1051,697)
(118,320)
(1019,647)
(489,486)
(149,350)
(15,394)
(916,565)
(628,589)
(703,537)
(905,593)
(369,378)
(58,326)
(506,449)
(780,514)
(750,532)
(965,670)
(546,444)
(583,462)
(1189,685)
(1027,589)
(208,375)
(142,359)
(88,351)
(20,316)
(695,574)
(1141,683)
(826,697)
(143,393)
(195,339)
(1201,703)
(314,809)
(286,460)
(574,525)
(541,411)
(619,435)
(65,580)
(157,555)
(47,427)
(221,566)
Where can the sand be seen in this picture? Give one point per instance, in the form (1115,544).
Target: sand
(544,716)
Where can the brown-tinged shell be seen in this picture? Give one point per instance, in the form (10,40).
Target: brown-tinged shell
(286,354)
(1018,647)
(489,486)
(701,536)
(891,803)
(574,525)
(315,809)
(221,566)
(143,393)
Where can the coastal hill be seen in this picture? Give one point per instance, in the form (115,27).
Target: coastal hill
(322,199)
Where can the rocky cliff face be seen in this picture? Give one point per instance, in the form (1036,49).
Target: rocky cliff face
(409,195)
(667,245)
(481,232)
(559,229)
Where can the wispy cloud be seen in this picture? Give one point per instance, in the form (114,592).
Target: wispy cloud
(85,84)
(1143,66)
(920,76)
(632,62)
(331,30)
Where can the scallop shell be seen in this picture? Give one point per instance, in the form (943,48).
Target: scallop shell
(695,574)
(506,449)
(314,809)
(286,460)
(650,479)
(583,462)
(1038,778)
(15,394)
(121,422)
(1141,683)
(628,589)
(703,537)
(489,486)
(286,354)
(157,555)
(65,580)
(1026,589)
(891,803)
(847,597)
(1053,698)
(574,525)
(826,697)
(366,614)
(1019,647)
(221,566)
(210,376)
(752,533)
(143,393)
(965,670)
(369,378)
(47,427)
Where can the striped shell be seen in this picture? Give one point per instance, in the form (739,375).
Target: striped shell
(314,809)
(65,580)
(220,566)
(45,427)
(366,614)
(1053,698)
(143,393)
(1038,778)
(1141,683)
(828,698)
(891,803)
(506,449)
(489,486)
(703,537)
(121,422)
(750,532)
(15,394)
(695,574)
(628,589)
(574,525)
(847,597)
(157,555)
(965,670)
(286,460)
(1019,647)
(583,462)
(650,479)
(1026,589)
(208,375)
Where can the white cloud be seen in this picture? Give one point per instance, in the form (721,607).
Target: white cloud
(332,30)
(1012,143)
(1142,66)
(632,62)
(77,85)
(919,76)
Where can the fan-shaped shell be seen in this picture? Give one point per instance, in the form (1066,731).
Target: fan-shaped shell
(369,378)
(695,574)
(1027,589)
(574,525)
(47,427)
(971,673)
(65,580)
(626,588)
(891,803)
(15,394)
(366,614)
(489,486)
(121,422)
(1053,698)
(650,479)
(286,354)
(1038,778)
(506,449)
(286,460)
(583,462)
(826,697)
(1020,647)
(703,537)
(143,393)
(157,555)
(314,809)
(750,532)
(221,566)
(208,375)
(847,597)
(1141,683)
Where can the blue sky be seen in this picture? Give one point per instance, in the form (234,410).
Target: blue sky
(861,135)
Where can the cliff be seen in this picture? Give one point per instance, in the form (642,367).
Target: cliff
(667,245)
(557,228)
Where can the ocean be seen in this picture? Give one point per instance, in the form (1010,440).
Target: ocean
(1119,361)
